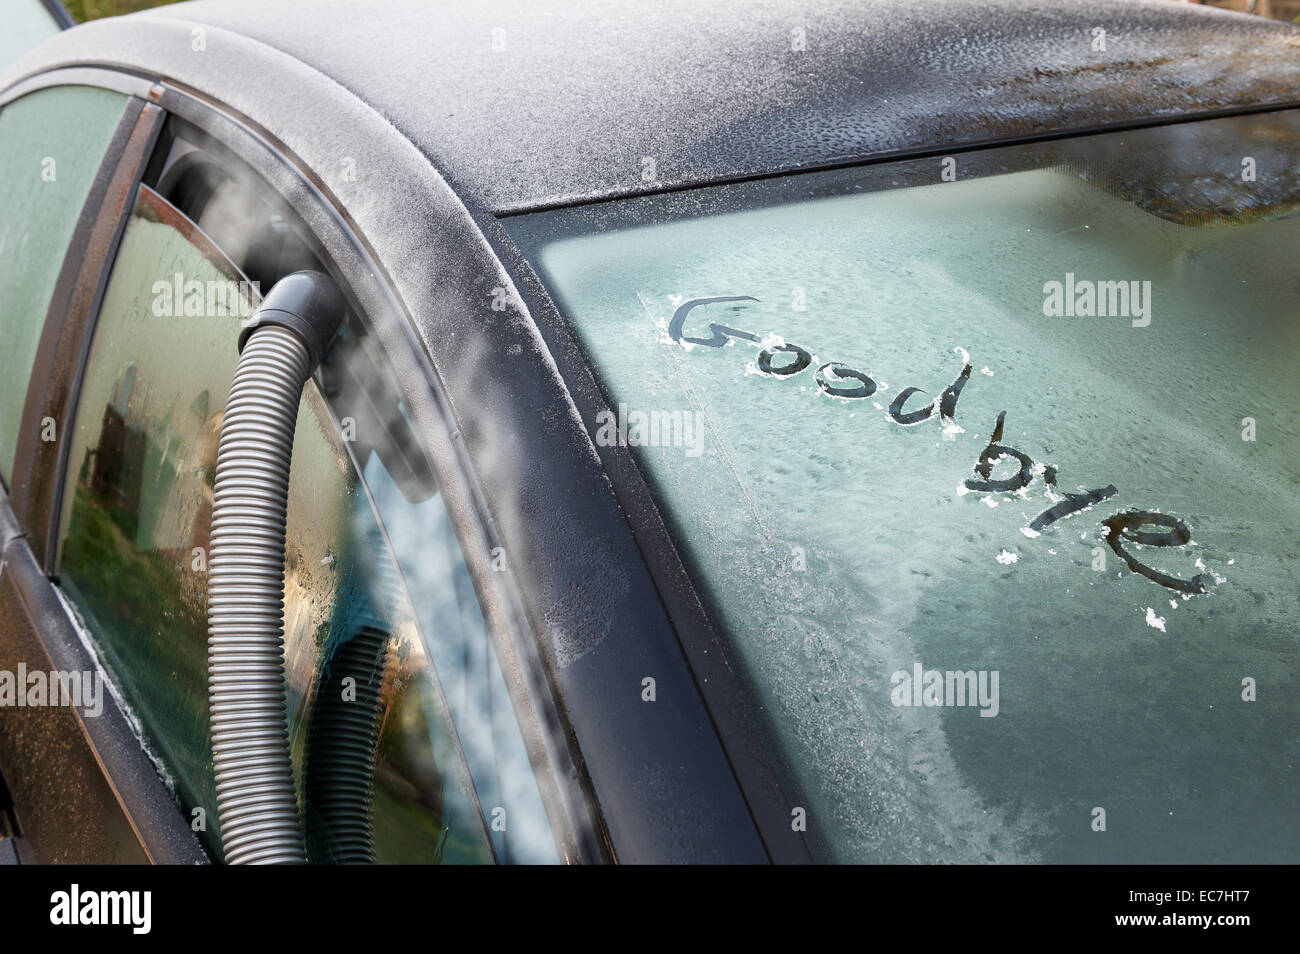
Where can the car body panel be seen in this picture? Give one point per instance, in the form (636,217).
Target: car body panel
(416,147)
(529,105)
(85,789)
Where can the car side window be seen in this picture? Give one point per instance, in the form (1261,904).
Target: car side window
(235,210)
(27,23)
(136,513)
(51,144)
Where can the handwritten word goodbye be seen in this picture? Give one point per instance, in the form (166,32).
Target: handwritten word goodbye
(784,360)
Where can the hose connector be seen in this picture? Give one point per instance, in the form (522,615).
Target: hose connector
(307,303)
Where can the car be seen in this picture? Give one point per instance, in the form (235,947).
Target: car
(728,433)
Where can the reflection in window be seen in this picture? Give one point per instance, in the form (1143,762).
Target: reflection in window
(431,567)
(426,547)
(26,25)
(231,206)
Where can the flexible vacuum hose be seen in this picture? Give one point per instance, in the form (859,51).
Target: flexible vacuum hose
(256,800)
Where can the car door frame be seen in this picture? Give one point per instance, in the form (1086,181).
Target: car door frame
(41,628)
(48,620)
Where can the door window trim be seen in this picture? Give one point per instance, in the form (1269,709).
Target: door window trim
(36,487)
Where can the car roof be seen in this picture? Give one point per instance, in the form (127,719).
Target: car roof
(530,105)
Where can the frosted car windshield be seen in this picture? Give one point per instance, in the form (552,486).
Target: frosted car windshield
(986,468)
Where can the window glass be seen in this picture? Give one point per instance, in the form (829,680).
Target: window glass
(231,208)
(137,511)
(27,24)
(442,593)
(51,144)
(987,467)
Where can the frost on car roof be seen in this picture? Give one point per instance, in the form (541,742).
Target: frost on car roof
(532,105)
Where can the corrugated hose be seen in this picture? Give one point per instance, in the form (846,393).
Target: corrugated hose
(279,350)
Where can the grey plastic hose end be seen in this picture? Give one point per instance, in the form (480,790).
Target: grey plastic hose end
(309,304)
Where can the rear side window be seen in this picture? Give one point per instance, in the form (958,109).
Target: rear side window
(989,469)
(137,513)
(51,145)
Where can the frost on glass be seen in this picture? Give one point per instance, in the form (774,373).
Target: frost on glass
(27,24)
(839,548)
(51,145)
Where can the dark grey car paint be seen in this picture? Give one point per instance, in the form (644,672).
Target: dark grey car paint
(528,104)
(380,111)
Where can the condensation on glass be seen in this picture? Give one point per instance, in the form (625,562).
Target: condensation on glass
(27,24)
(137,510)
(51,145)
(1026,415)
